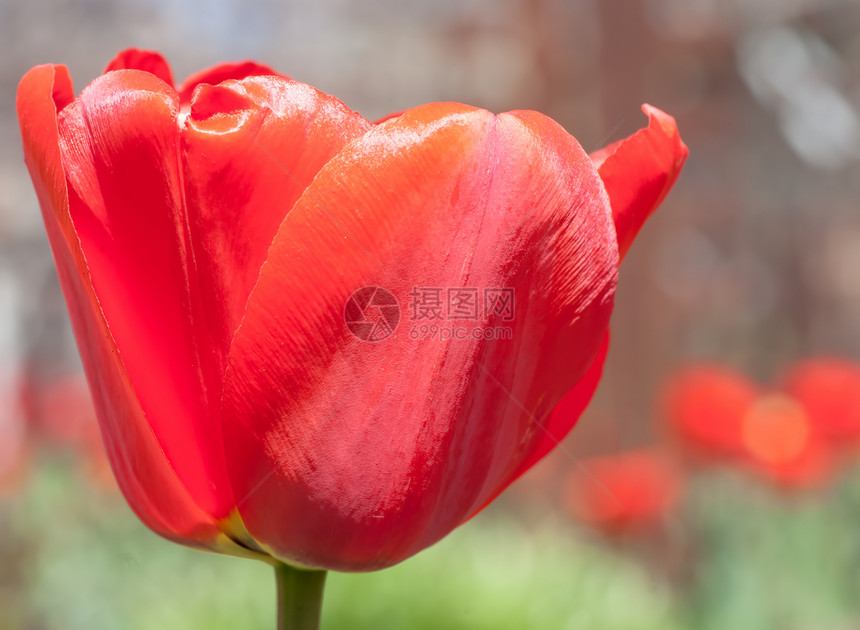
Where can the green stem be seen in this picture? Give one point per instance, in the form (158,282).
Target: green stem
(299,597)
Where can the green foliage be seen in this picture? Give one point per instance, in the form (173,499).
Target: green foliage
(92,566)
(774,561)
(754,558)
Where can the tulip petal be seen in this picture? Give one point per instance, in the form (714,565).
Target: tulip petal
(224,72)
(251,148)
(120,142)
(639,171)
(566,414)
(379,121)
(145,475)
(563,418)
(353,455)
(146,60)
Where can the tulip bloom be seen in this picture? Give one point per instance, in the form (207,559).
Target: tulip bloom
(636,490)
(786,435)
(704,406)
(828,389)
(16,444)
(65,417)
(782,443)
(208,238)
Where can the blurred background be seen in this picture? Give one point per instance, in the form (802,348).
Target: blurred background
(725,428)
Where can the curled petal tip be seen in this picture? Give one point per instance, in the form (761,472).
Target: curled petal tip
(669,127)
(44,77)
(639,172)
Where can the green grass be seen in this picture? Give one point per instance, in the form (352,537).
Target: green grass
(90,565)
(740,555)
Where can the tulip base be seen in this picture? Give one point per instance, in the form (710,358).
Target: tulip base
(299,595)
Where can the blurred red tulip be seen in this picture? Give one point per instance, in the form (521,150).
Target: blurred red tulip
(624,492)
(782,443)
(208,239)
(704,406)
(64,410)
(14,439)
(719,414)
(828,389)
(65,416)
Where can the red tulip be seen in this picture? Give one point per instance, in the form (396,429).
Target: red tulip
(829,392)
(65,415)
(208,240)
(63,410)
(704,406)
(717,413)
(781,442)
(624,492)
(15,446)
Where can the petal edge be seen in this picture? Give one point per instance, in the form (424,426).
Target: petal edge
(639,171)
